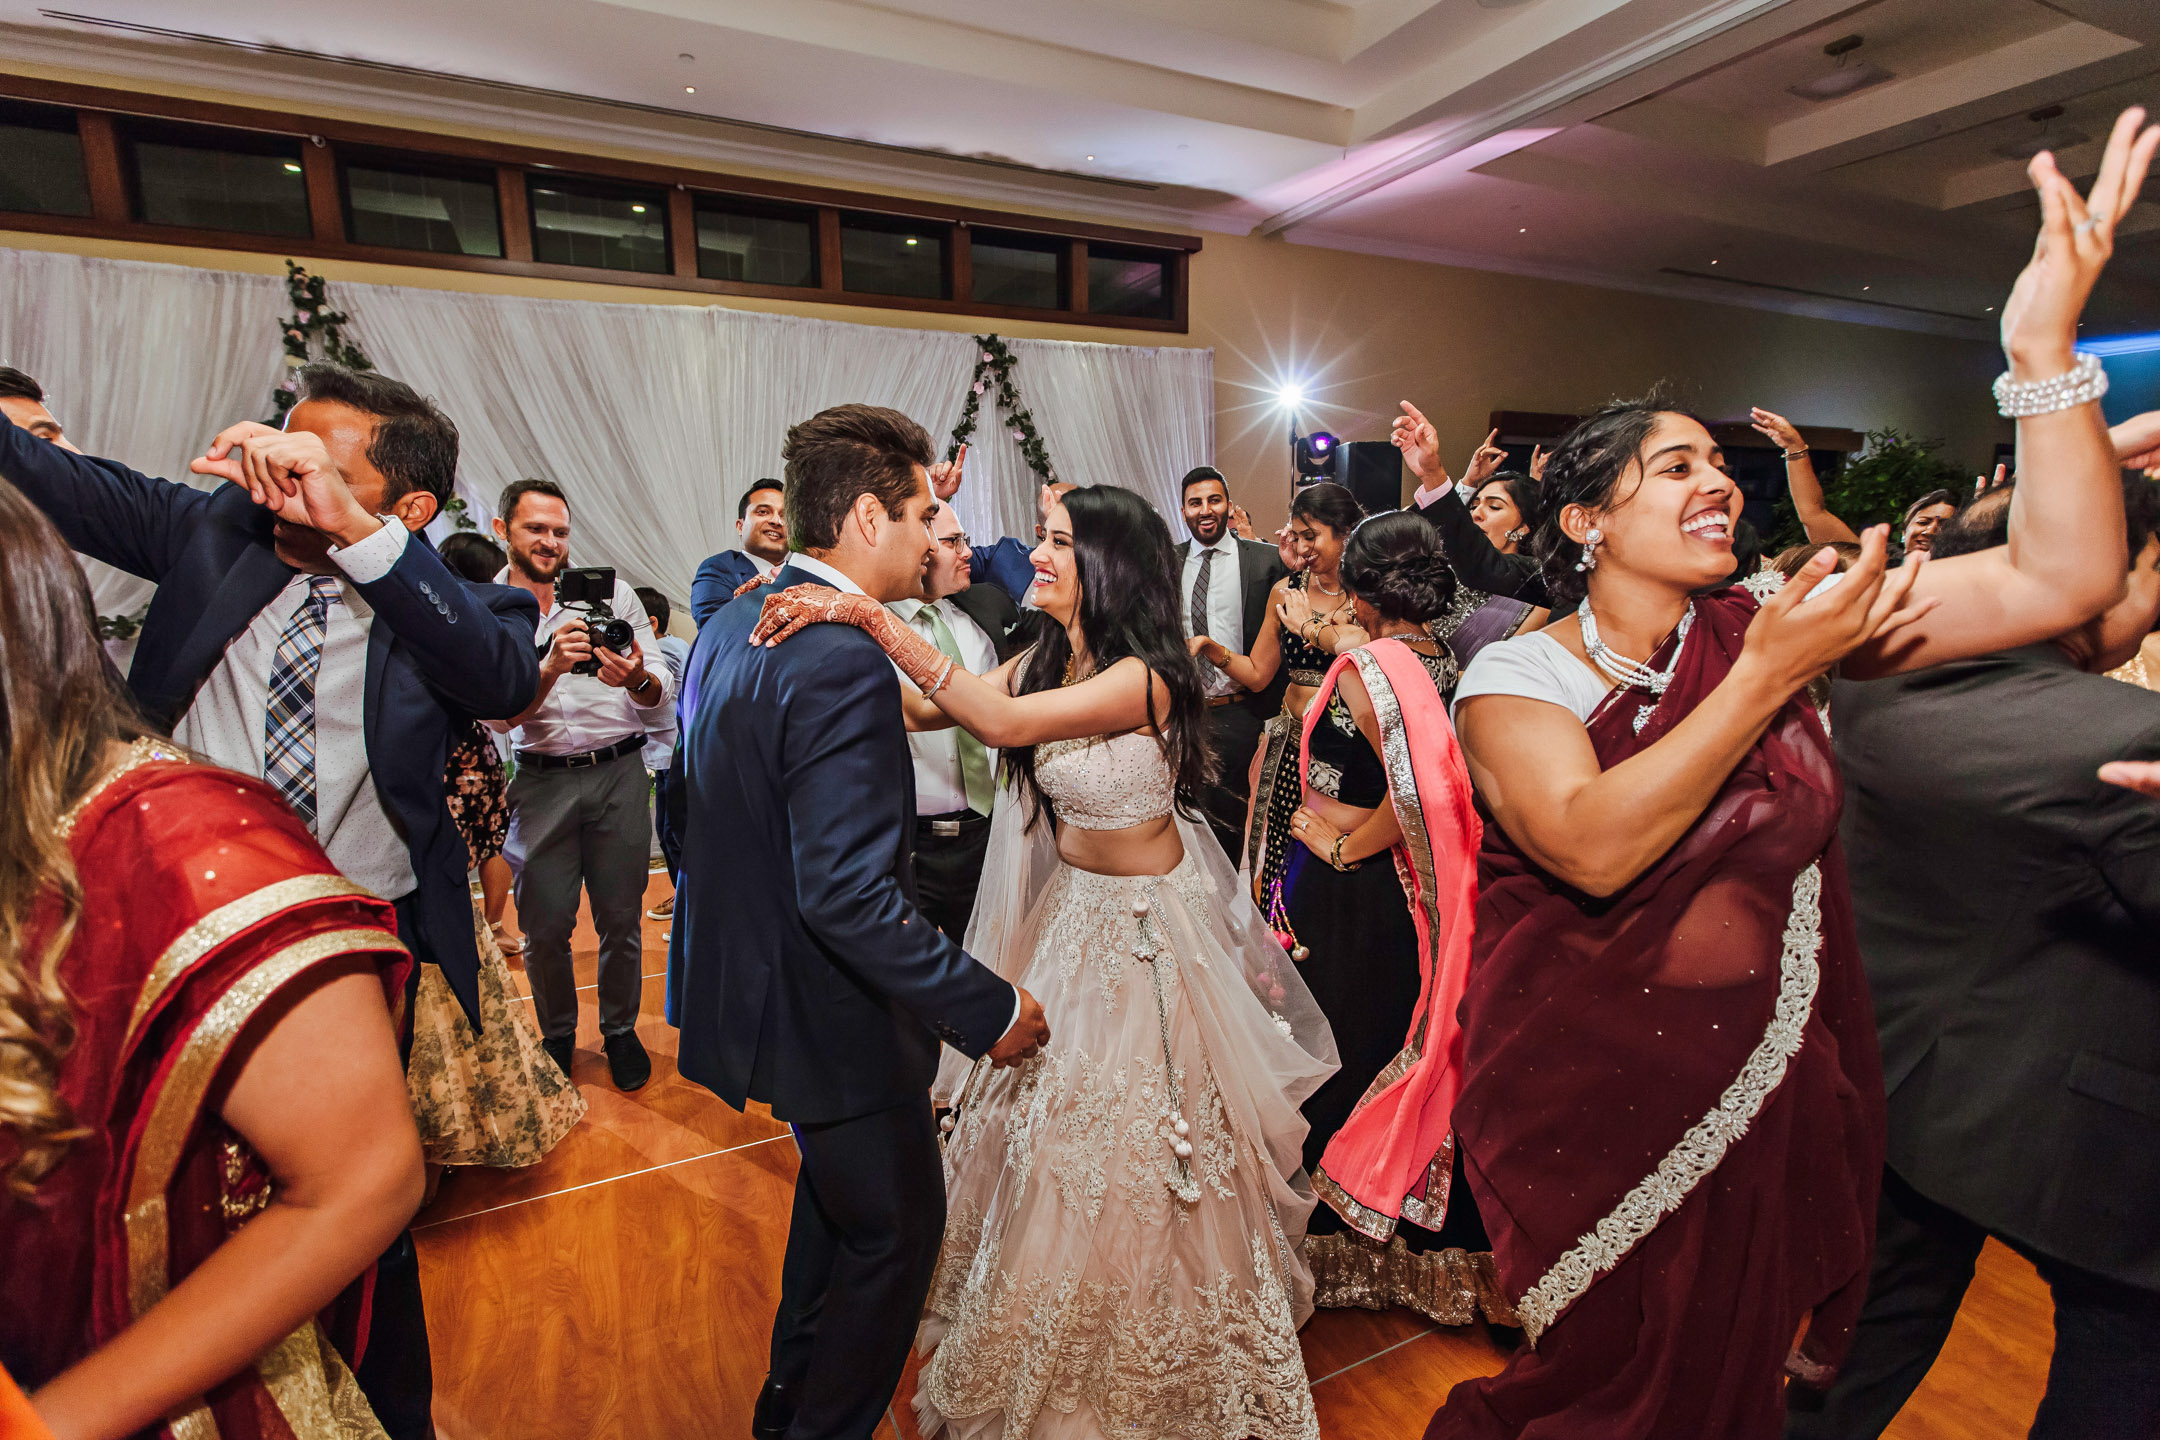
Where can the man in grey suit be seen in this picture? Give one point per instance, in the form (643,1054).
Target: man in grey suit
(1225,589)
(2008,904)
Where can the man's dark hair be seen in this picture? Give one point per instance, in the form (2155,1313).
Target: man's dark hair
(841,453)
(1199,473)
(415,445)
(14,385)
(656,605)
(1984,521)
(742,506)
(517,490)
(472,555)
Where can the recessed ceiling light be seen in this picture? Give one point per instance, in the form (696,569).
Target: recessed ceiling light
(1867,287)
(1991,309)
(1091,157)
(290,166)
(637,209)
(689,89)
(910,240)
(1843,81)
(1523,231)
(1713,262)
(686,55)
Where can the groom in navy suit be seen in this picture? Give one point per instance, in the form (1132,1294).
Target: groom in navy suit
(802,974)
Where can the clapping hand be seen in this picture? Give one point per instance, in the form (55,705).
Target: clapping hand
(1414,435)
(1795,638)
(1241,523)
(2077,235)
(1538,456)
(1486,462)
(291,474)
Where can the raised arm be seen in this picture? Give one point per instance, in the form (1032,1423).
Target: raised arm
(1821,526)
(1255,670)
(107,511)
(1598,829)
(1477,563)
(2066,558)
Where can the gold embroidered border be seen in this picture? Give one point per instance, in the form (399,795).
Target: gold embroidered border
(1453,1287)
(315,1390)
(1282,733)
(1703,1147)
(173,1112)
(141,753)
(221,924)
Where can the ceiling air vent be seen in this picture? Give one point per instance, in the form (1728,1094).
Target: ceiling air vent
(1848,77)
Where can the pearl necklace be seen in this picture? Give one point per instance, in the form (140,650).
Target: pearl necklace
(1633,674)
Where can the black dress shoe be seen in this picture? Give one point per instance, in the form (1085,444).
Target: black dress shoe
(559,1050)
(628,1064)
(775,1411)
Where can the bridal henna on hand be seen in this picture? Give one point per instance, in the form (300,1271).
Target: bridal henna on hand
(801,605)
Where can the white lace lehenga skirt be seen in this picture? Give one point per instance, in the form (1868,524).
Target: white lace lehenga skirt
(1124,1211)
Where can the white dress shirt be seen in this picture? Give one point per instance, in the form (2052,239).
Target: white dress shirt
(1225,604)
(662,731)
(939,787)
(583,713)
(226,719)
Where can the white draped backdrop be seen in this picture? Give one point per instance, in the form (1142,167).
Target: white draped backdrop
(653,418)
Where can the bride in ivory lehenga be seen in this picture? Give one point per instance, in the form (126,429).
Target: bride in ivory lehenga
(1124,1212)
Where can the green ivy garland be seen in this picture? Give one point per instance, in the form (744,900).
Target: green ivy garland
(315,329)
(994,366)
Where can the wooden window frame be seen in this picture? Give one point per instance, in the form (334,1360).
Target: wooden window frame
(112,218)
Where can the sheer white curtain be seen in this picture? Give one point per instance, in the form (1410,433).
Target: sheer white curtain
(653,418)
(142,363)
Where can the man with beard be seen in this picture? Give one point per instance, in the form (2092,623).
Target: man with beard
(761,520)
(1225,585)
(578,818)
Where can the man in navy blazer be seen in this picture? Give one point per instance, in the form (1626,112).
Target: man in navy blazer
(801,973)
(761,520)
(322,517)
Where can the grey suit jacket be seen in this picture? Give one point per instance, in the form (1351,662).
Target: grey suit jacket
(2008,906)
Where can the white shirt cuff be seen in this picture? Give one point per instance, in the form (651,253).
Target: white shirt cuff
(369,560)
(1015,1016)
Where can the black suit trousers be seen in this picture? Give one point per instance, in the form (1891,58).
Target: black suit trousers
(863,1241)
(2104,1382)
(1234,735)
(948,872)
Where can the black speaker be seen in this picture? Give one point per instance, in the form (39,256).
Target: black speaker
(1372,471)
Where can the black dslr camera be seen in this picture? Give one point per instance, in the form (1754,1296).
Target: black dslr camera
(592,590)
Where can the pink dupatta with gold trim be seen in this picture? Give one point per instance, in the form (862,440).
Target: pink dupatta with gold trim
(1392,1158)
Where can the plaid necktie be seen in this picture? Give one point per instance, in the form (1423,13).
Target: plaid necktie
(289,718)
(974,755)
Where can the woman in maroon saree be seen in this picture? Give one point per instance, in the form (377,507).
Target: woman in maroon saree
(1672,1114)
(204,1130)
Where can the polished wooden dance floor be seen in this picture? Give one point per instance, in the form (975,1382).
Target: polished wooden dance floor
(622,1288)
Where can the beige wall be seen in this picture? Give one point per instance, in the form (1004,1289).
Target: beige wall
(1364,332)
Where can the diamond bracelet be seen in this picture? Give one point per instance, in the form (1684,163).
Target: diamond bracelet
(2081,384)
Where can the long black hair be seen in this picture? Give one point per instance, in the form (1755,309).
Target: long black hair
(1328,504)
(1129,570)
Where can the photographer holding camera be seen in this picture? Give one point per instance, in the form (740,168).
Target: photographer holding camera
(578,817)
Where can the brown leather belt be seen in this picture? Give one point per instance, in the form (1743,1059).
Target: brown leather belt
(1216,702)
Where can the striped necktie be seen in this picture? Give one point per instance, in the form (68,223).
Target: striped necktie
(289,717)
(1200,591)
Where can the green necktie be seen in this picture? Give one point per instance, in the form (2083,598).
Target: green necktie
(974,756)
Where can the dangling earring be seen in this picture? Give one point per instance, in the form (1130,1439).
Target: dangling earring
(1590,542)
(1518,536)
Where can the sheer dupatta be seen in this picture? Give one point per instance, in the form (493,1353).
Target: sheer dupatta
(1392,1158)
(1696,1051)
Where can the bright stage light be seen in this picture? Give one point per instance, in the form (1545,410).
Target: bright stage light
(1290,396)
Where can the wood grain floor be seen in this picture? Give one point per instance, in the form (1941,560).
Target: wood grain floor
(623,1288)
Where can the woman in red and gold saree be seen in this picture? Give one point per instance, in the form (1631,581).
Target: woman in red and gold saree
(202,1116)
(1672,1115)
